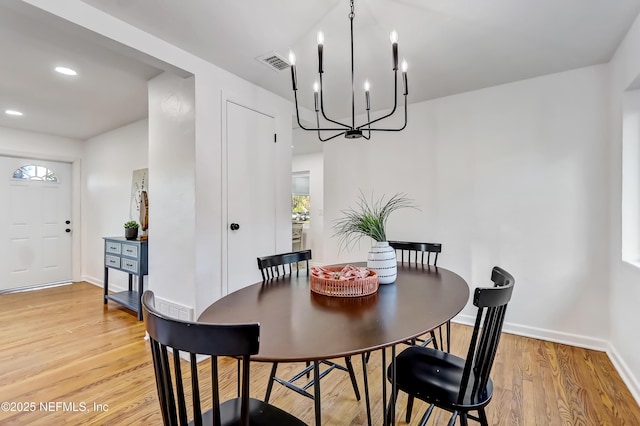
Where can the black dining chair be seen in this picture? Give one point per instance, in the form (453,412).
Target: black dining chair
(452,383)
(414,254)
(170,338)
(280,265)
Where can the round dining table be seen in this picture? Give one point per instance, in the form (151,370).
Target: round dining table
(297,324)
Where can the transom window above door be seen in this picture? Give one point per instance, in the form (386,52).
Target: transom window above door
(35,172)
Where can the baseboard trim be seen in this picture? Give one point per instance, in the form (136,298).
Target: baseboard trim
(545,334)
(98,283)
(573,340)
(625,372)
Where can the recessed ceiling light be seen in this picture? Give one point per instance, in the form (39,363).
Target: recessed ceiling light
(13,112)
(66,71)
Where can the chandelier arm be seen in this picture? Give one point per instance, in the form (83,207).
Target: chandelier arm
(329,138)
(399,129)
(395,103)
(319,136)
(322,108)
(295,95)
(368,126)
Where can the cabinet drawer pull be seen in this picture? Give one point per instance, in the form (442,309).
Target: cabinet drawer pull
(131,251)
(112,261)
(113,247)
(129,265)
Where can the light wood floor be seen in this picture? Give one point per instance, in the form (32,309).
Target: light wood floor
(62,345)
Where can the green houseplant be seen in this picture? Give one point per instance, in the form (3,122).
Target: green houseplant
(131,230)
(369,219)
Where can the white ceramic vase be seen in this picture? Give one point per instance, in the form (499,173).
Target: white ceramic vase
(382,259)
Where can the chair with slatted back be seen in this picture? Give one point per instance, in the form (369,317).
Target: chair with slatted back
(178,380)
(452,383)
(414,254)
(280,265)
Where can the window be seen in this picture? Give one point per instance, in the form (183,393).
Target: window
(300,203)
(34,172)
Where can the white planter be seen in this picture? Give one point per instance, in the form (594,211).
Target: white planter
(382,259)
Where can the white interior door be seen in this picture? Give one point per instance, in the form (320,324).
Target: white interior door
(35,246)
(251,183)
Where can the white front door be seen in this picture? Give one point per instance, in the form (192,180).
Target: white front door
(35,246)
(251,177)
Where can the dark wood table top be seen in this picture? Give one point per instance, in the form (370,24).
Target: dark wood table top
(297,324)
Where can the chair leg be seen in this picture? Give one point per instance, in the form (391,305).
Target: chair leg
(409,409)
(239,372)
(483,417)
(448,336)
(352,375)
(427,414)
(366,387)
(463,419)
(452,420)
(274,367)
(308,372)
(434,340)
(389,411)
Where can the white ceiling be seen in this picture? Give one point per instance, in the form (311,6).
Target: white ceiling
(451,47)
(109,91)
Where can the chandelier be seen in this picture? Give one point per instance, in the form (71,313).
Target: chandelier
(350,131)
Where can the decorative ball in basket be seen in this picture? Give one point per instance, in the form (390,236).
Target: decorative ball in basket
(343,281)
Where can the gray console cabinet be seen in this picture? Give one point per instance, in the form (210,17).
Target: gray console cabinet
(130,256)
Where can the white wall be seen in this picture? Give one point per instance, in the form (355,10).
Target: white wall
(625,277)
(108,162)
(172,214)
(511,175)
(313,164)
(20,143)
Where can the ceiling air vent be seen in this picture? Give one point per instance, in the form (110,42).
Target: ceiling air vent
(274,61)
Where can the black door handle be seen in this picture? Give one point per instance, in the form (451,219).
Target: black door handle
(234,227)
(67,222)
(67,230)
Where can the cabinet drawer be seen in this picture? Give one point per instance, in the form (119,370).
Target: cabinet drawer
(129,250)
(129,265)
(112,247)
(112,261)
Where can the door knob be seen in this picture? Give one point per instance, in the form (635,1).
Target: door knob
(234,227)
(67,230)
(67,222)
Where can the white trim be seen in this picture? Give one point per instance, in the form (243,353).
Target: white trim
(625,372)
(545,334)
(573,340)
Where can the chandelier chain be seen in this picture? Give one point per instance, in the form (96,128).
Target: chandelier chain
(352,14)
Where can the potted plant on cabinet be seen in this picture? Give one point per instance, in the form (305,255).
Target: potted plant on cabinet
(369,219)
(131,230)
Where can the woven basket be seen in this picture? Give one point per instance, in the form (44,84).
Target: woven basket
(351,288)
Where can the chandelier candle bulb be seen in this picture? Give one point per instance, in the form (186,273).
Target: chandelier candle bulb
(320,48)
(394,47)
(315,95)
(366,94)
(404,77)
(294,78)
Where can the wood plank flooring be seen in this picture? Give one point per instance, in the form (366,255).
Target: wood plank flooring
(63,348)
